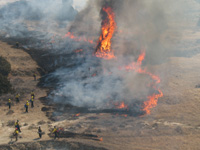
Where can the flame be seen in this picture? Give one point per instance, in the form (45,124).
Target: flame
(75,38)
(101,139)
(121,105)
(76,115)
(78,50)
(103,49)
(94,75)
(153,99)
(124,115)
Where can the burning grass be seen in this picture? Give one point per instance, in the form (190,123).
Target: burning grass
(103,49)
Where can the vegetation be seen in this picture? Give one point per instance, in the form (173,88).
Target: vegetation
(5,69)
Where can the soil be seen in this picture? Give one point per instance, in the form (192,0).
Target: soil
(173,124)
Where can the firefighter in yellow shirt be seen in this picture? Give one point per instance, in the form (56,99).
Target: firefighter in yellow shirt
(35,75)
(9,103)
(26,106)
(33,95)
(17,125)
(17,97)
(55,131)
(32,101)
(16,133)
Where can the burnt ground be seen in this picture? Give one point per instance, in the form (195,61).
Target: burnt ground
(173,124)
(21,77)
(43,145)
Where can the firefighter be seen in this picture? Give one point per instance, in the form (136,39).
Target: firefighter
(55,131)
(16,133)
(17,125)
(26,106)
(40,132)
(9,103)
(17,44)
(31,100)
(35,75)
(33,95)
(17,97)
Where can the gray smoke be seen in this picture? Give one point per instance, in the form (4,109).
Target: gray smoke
(141,25)
(83,79)
(47,16)
(149,25)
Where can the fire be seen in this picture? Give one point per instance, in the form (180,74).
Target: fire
(101,139)
(124,115)
(121,105)
(94,75)
(103,49)
(72,36)
(78,50)
(76,115)
(153,99)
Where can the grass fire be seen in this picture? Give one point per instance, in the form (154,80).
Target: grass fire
(99,74)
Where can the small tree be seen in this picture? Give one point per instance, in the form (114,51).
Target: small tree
(5,85)
(5,66)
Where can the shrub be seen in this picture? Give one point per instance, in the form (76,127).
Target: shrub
(5,85)
(5,66)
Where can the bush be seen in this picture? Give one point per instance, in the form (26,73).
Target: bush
(5,85)
(5,66)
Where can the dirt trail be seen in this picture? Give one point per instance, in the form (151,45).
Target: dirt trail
(21,77)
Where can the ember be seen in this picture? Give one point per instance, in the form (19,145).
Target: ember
(78,50)
(76,115)
(124,115)
(72,36)
(121,105)
(94,75)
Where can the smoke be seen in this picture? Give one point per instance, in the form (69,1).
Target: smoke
(81,78)
(141,25)
(44,16)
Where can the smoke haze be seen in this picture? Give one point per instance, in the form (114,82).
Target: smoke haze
(87,81)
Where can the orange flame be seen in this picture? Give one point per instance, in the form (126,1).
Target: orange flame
(153,99)
(75,38)
(101,139)
(124,115)
(94,75)
(103,49)
(76,115)
(121,105)
(78,50)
